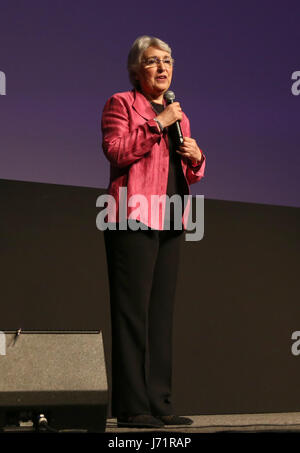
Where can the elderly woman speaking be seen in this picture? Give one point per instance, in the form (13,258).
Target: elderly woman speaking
(140,141)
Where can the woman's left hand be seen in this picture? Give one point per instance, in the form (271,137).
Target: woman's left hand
(190,149)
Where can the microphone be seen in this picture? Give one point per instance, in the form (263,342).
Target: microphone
(170,98)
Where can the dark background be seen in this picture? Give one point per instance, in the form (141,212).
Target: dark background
(236,305)
(234,60)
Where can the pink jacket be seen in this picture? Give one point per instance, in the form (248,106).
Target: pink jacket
(139,156)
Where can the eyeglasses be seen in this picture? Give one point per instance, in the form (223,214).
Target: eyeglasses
(154,61)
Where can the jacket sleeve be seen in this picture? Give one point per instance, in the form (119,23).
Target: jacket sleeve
(194,172)
(121,145)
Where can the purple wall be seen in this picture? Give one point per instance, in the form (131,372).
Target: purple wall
(234,62)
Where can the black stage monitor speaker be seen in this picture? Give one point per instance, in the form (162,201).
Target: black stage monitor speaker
(52,381)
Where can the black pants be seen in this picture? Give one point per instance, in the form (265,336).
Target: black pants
(142,269)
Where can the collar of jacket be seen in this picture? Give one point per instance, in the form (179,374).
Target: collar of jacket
(142,106)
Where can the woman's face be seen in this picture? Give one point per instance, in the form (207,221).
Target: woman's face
(155,79)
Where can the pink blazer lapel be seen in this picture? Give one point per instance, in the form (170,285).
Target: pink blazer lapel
(142,106)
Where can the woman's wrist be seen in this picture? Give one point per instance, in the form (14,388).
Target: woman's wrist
(159,124)
(197,161)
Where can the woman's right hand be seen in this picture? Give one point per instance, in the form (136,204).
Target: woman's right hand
(170,114)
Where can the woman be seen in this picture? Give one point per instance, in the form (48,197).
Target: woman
(140,142)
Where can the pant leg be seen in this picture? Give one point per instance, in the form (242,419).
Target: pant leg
(161,310)
(131,257)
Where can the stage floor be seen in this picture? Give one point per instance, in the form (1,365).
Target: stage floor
(283,422)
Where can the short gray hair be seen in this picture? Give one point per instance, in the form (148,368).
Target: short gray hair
(136,52)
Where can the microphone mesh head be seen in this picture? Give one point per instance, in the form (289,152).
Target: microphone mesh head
(169,96)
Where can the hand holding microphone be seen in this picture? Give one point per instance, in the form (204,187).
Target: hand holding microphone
(172,114)
(190,149)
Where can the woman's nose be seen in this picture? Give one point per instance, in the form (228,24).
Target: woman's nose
(161,62)
(161,66)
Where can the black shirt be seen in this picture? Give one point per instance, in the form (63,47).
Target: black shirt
(176,180)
